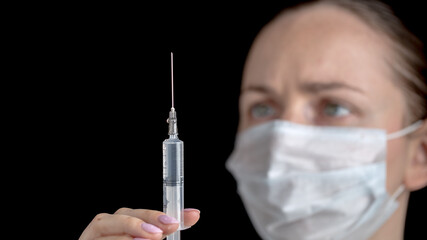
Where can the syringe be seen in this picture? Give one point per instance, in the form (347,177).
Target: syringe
(173,171)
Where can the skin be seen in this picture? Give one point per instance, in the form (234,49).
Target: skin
(322,65)
(318,65)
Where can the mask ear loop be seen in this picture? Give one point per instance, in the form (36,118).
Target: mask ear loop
(405,131)
(398,192)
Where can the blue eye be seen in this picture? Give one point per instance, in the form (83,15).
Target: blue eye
(262,110)
(335,110)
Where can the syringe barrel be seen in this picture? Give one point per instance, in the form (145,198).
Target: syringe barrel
(173,179)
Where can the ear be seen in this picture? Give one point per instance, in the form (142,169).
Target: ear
(416,174)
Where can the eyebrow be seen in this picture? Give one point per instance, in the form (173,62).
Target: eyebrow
(258,88)
(266,90)
(311,87)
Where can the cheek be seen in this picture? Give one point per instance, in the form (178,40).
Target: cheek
(396,163)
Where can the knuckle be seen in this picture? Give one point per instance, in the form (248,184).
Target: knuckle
(97,221)
(99,217)
(131,224)
(129,221)
(122,210)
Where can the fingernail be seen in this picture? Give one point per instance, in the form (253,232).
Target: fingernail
(151,228)
(191,210)
(165,219)
(141,239)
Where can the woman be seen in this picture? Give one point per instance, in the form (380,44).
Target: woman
(332,133)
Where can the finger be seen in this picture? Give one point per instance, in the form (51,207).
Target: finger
(107,224)
(191,217)
(167,224)
(120,238)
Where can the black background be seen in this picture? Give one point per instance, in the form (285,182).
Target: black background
(95,99)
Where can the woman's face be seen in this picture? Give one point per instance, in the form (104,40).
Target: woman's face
(322,65)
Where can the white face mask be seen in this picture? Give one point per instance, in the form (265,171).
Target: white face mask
(308,182)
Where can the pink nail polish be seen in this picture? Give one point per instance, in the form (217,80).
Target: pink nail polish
(151,228)
(191,210)
(165,219)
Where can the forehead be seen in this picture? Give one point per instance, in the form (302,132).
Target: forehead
(318,41)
